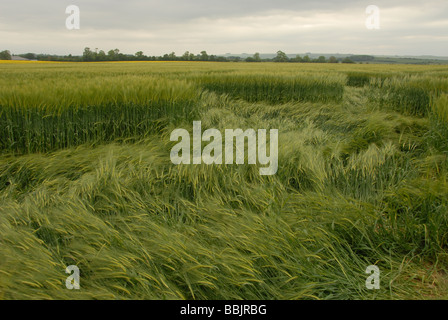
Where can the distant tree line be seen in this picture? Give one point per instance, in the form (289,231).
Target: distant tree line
(282,57)
(116,55)
(96,55)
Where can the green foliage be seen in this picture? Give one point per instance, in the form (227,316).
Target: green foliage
(281,57)
(361,181)
(332,59)
(357,79)
(52,114)
(440,108)
(277,89)
(410,94)
(5,55)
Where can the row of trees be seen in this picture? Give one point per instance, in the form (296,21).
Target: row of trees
(115,55)
(282,57)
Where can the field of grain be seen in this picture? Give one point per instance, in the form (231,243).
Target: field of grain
(86,180)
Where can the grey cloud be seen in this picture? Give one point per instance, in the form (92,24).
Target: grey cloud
(225,26)
(136,13)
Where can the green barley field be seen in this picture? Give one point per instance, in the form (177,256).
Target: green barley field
(86,179)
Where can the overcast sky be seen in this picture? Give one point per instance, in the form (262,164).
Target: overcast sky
(156,27)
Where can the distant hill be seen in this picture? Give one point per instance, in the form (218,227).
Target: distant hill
(392,59)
